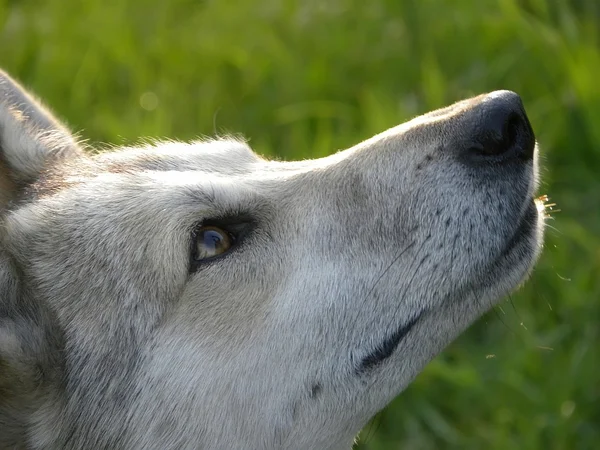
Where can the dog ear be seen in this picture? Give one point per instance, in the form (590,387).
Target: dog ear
(31,139)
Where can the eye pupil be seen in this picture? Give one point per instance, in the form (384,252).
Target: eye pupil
(211,241)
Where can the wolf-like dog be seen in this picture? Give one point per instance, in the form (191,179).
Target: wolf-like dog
(198,296)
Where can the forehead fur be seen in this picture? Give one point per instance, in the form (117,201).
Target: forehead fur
(223,156)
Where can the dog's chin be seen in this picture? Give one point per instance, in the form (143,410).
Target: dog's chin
(514,263)
(526,231)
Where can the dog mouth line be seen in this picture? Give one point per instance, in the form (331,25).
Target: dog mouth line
(386,348)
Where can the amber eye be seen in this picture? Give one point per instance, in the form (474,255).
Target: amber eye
(211,241)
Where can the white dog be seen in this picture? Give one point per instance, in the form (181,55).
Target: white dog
(197,296)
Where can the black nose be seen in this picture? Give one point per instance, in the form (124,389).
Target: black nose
(499,129)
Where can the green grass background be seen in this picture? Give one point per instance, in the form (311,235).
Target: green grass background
(302,78)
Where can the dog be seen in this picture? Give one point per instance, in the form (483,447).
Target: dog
(198,296)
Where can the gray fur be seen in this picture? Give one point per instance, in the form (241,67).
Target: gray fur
(107,341)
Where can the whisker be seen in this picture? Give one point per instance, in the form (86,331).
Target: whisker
(512,303)
(216,113)
(409,284)
(393,321)
(387,269)
(547,225)
(374,426)
(543,297)
(418,267)
(501,320)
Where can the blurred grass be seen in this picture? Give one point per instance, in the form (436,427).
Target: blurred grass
(304,78)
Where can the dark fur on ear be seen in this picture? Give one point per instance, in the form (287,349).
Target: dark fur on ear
(30,358)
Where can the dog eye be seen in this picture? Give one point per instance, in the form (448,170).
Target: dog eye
(210,242)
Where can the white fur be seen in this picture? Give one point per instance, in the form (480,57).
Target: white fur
(264,348)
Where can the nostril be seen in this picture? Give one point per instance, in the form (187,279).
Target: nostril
(512,130)
(500,130)
(499,136)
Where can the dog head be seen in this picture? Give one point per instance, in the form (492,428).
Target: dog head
(199,296)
